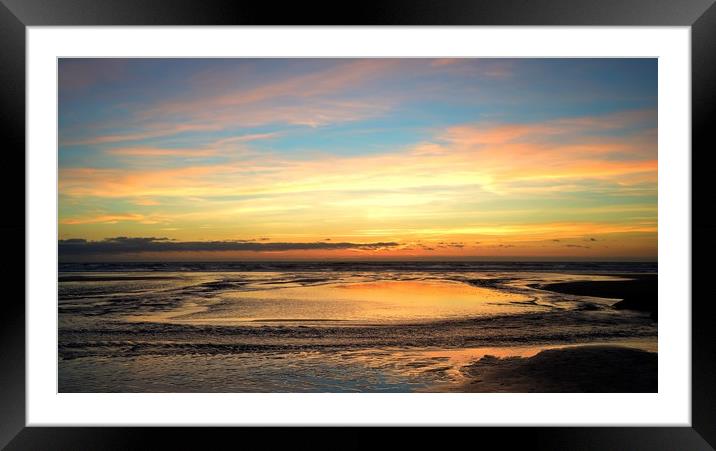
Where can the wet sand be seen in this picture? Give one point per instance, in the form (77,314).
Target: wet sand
(112,278)
(594,369)
(600,369)
(349,331)
(639,292)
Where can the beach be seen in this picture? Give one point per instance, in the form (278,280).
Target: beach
(590,369)
(398,327)
(634,291)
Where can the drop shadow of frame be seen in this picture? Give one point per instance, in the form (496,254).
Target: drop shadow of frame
(700,15)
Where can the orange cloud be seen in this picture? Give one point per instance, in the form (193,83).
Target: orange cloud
(153,131)
(110,219)
(160,152)
(472,135)
(431,191)
(468,156)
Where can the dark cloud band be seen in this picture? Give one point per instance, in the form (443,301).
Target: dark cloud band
(126,245)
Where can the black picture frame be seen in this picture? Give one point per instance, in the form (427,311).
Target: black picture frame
(700,15)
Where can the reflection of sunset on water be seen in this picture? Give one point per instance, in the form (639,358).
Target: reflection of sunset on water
(380,302)
(389,329)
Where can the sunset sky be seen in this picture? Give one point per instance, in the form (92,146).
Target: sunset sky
(204,159)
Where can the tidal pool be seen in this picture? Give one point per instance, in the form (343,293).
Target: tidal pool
(372,302)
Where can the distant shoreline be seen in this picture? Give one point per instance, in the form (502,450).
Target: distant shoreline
(492,259)
(576,267)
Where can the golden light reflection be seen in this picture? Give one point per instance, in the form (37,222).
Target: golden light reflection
(352,303)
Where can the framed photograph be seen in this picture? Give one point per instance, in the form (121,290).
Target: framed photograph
(237,216)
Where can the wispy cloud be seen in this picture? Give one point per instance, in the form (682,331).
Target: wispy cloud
(161,152)
(309,100)
(152,131)
(461,156)
(111,219)
(245,138)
